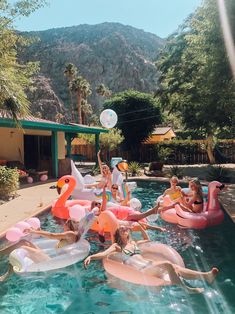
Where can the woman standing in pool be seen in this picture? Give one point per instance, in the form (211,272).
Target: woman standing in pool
(131,255)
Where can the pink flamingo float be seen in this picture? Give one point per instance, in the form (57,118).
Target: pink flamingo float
(210,216)
(62,206)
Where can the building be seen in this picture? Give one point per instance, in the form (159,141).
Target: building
(161,134)
(38,143)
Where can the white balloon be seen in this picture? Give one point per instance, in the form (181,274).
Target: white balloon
(108,118)
(135,204)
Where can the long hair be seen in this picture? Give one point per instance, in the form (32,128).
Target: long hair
(69,223)
(117,237)
(199,188)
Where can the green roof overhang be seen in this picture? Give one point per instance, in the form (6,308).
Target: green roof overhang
(47,126)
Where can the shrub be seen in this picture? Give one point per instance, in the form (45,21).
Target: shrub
(217,173)
(176,171)
(134,168)
(9,182)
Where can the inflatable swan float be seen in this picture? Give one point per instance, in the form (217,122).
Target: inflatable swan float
(82,193)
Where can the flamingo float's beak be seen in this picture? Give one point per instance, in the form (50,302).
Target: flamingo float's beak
(221,187)
(59,187)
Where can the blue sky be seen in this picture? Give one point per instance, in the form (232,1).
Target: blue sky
(160,17)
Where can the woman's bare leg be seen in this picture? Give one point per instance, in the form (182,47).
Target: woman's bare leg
(138,216)
(36,254)
(9,249)
(190,274)
(7,274)
(174,276)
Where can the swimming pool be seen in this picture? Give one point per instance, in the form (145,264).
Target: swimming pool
(76,290)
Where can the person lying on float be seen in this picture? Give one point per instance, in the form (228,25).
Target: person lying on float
(102,206)
(130,255)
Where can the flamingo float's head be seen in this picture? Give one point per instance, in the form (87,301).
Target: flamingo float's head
(216,186)
(65,180)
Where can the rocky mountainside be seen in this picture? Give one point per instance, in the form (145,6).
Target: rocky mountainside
(121,57)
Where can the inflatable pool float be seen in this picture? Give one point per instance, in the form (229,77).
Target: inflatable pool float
(155,252)
(212,213)
(107,222)
(61,206)
(82,193)
(59,257)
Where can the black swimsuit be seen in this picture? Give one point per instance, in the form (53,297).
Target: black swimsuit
(198,203)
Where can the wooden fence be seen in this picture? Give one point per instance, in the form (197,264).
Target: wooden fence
(147,154)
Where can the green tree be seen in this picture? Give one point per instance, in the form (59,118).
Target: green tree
(82,88)
(109,141)
(196,80)
(138,114)
(70,72)
(15,77)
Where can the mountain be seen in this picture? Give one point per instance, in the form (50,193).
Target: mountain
(121,57)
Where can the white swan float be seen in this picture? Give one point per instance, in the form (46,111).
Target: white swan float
(83,193)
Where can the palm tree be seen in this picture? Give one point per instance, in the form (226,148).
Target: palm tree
(102,90)
(86,111)
(82,88)
(70,72)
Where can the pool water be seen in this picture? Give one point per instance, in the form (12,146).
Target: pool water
(76,290)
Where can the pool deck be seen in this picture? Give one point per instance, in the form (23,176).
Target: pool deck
(34,199)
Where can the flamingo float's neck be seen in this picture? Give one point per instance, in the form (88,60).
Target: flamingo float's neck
(64,197)
(213,202)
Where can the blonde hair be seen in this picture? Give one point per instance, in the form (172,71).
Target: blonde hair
(174,178)
(199,187)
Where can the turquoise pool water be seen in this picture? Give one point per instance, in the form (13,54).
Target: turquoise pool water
(76,290)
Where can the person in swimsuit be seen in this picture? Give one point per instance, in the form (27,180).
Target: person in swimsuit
(36,254)
(175,193)
(102,206)
(106,179)
(116,197)
(195,203)
(131,255)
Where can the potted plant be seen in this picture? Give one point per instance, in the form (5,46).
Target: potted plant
(162,153)
(134,168)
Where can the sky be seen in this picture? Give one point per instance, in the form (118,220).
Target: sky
(160,17)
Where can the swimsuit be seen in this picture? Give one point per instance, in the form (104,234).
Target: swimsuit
(175,195)
(198,203)
(131,253)
(62,243)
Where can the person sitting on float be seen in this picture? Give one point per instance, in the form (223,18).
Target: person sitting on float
(36,254)
(131,255)
(102,206)
(194,204)
(106,179)
(175,191)
(116,196)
